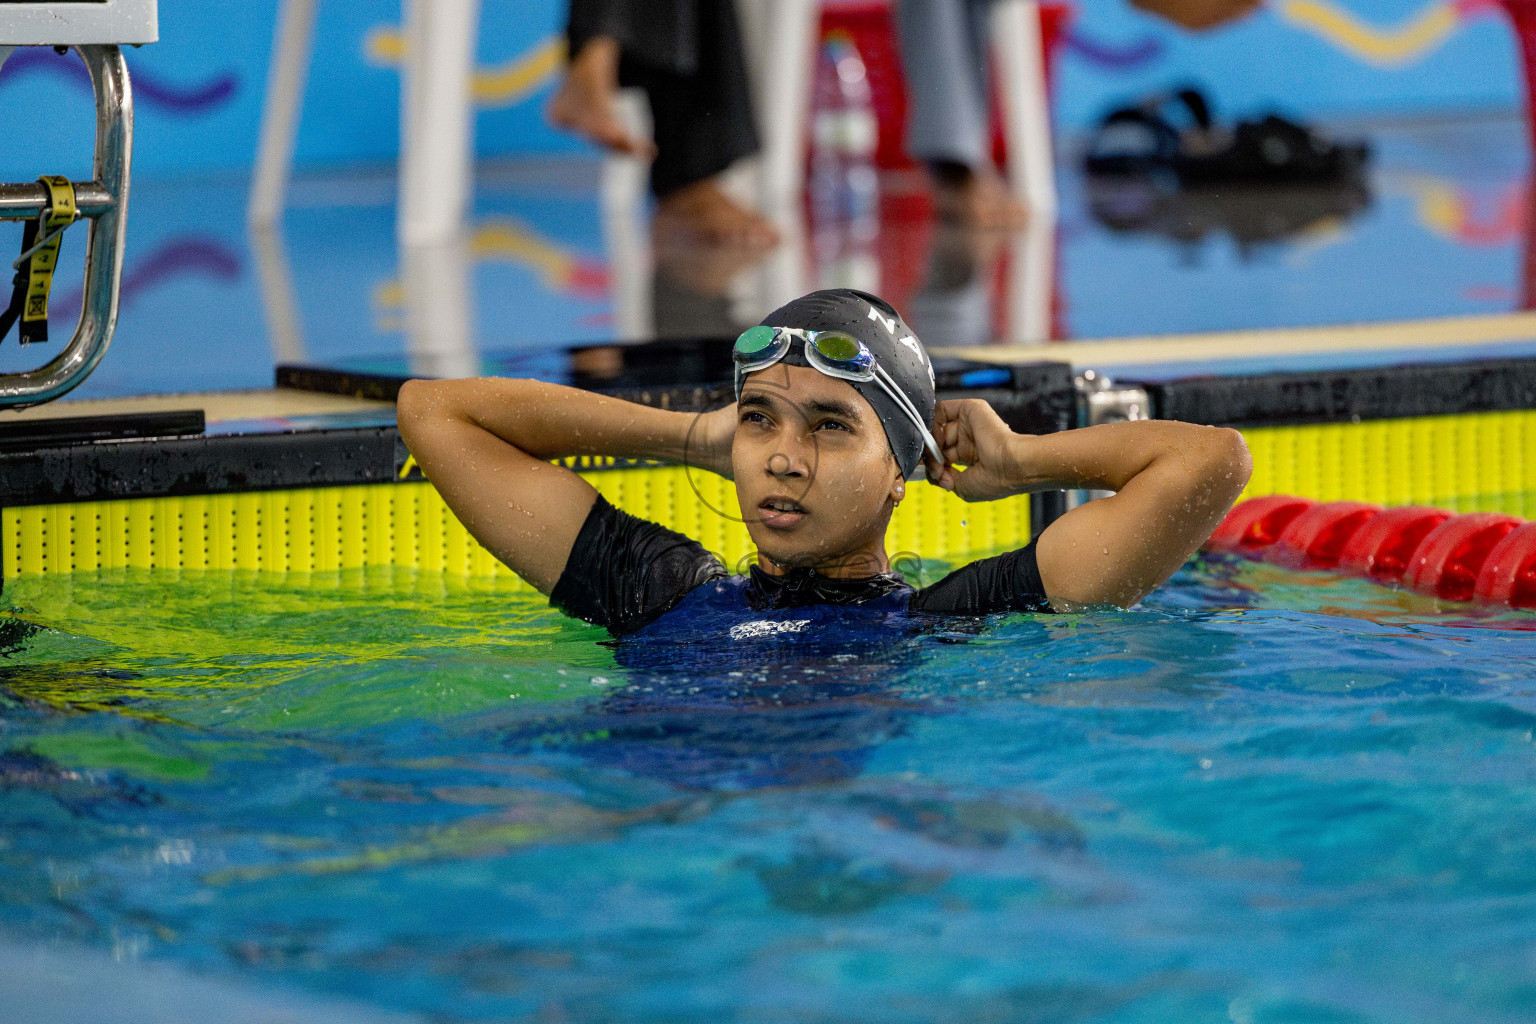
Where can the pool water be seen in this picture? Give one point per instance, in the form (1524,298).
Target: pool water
(1262,797)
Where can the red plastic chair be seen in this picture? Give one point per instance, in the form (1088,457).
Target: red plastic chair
(871,24)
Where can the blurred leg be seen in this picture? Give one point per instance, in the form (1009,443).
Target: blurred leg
(946,81)
(1522,13)
(587,101)
(291,53)
(702,119)
(944,45)
(780,40)
(703,124)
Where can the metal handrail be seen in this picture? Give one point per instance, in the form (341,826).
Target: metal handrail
(27,199)
(103,200)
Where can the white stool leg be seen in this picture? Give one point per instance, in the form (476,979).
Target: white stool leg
(437,119)
(291,46)
(1031,282)
(437,285)
(275,278)
(1026,107)
(626,228)
(780,42)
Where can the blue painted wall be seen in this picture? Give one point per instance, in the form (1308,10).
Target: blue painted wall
(1274,59)
(200,89)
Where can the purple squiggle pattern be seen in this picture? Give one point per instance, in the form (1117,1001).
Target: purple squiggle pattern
(145,85)
(1116,58)
(186,254)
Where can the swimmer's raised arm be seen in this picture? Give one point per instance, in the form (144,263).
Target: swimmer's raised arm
(485,444)
(1173,482)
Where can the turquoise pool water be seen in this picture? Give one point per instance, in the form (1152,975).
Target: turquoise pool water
(1263,797)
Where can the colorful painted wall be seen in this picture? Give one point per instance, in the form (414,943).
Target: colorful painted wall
(200,89)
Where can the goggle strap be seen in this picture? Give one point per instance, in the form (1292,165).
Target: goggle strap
(906,406)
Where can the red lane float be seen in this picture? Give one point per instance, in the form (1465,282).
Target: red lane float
(1481,556)
(1383,547)
(1447,562)
(1509,574)
(1316,538)
(1257,523)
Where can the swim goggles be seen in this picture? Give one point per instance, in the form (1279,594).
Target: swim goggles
(835,354)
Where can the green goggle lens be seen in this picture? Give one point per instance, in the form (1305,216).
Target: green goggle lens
(754,340)
(841,348)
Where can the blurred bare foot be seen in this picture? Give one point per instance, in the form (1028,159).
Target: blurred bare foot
(584,102)
(708,268)
(1199,14)
(603,362)
(701,212)
(977,199)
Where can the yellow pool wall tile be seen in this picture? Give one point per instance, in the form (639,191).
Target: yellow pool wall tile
(407,525)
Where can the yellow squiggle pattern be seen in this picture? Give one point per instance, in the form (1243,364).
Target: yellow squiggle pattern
(510,242)
(502,240)
(1448,211)
(498,87)
(1440,210)
(1392,47)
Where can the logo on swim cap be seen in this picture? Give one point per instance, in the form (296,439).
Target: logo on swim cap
(889,323)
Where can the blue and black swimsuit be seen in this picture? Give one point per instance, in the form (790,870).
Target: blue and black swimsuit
(633,576)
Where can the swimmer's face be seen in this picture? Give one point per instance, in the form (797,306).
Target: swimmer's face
(815,476)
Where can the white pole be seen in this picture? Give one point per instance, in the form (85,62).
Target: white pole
(291,44)
(437,119)
(438,291)
(626,227)
(1031,282)
(275,279)
(1026,106)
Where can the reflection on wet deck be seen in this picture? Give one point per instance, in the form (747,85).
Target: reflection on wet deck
(1439,228)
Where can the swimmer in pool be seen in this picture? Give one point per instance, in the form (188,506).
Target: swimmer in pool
(835,413)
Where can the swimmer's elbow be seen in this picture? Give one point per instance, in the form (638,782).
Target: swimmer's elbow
(414,406)
(423,407)
(1232,462)
(1218,476)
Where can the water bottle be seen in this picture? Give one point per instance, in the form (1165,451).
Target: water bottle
(844,187)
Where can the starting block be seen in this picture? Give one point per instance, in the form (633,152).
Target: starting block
(96,30)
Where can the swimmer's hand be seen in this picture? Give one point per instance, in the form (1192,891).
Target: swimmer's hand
(1171,482)
(971,433)
(708,445)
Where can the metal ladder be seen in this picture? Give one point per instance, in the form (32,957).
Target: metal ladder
(94,31)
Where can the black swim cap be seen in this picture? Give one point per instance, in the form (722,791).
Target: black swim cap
(896,349)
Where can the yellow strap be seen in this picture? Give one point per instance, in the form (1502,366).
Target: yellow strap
(61,200)
(62,211)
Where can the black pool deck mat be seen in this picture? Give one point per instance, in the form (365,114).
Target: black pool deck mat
(138,454)
(1037,399)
